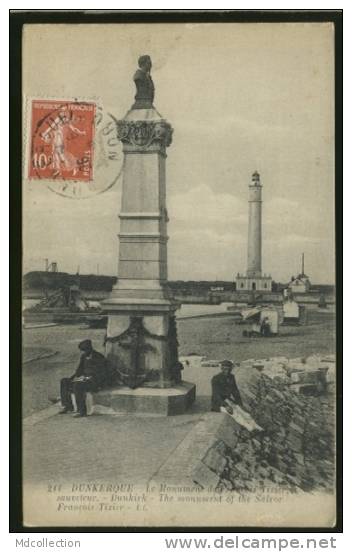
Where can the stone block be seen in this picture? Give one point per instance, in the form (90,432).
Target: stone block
(204,476)
(295,428)
(294,442)
(215,460)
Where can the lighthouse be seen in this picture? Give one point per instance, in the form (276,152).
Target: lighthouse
(254,260)
(254,280)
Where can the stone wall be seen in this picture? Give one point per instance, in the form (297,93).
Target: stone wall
(292,449)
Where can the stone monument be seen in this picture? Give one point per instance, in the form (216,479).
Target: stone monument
(141,340)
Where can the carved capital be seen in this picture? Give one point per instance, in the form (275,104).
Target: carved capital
(143,134)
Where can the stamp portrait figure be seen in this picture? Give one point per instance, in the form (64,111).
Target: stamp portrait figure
(56,135)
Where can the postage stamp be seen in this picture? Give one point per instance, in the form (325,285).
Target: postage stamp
(61,140)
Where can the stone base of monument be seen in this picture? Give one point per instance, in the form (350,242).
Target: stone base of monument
(148,401)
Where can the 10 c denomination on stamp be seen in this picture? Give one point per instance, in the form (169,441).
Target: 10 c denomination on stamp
(61,140)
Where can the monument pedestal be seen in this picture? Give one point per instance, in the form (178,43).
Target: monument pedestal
(145,401)
(141,341)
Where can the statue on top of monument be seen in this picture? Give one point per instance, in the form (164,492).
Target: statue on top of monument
(144,84)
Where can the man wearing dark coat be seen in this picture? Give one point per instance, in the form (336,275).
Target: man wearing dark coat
(224,388)
(265,327)
(91,375)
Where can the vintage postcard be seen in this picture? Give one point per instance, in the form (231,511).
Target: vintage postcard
(179,365)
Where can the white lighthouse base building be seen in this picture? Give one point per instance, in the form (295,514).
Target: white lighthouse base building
(253,283)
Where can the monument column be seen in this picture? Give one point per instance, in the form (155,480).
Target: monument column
(141,339)
(254,262)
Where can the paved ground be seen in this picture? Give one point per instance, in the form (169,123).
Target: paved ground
(102,447)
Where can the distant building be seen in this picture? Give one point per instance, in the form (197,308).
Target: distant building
(257,283)
(254,280)
(301,282)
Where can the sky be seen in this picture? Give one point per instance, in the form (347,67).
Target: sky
(240,97)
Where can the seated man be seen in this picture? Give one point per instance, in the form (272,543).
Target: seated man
(91,375)
(224,389)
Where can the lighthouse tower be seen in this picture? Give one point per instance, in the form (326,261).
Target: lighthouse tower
(254,280)
(254,262)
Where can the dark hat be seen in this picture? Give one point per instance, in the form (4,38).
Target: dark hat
(227,363)
(85,345)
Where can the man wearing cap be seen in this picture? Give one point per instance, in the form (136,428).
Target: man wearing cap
(224,388)
(90,376)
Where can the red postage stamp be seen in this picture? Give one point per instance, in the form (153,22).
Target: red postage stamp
(61,140)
